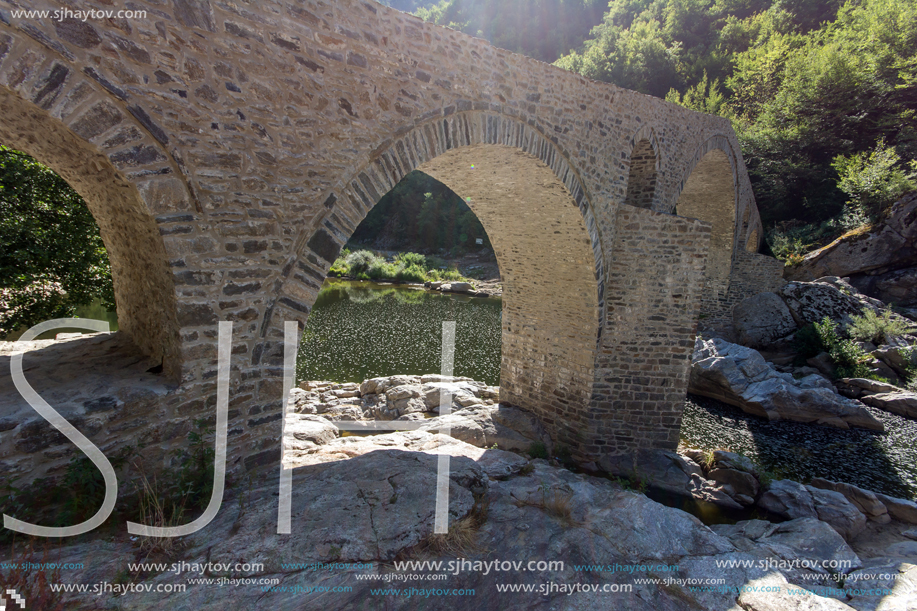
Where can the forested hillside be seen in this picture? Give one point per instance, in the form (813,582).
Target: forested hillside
(822,94)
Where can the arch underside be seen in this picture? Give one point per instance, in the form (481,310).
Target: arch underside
(550,293)
(710,195)
(143,285)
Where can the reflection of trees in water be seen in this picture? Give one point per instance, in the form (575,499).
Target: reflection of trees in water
(372,294)
(365,294)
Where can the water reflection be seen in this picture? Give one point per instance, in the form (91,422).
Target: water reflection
(360,330)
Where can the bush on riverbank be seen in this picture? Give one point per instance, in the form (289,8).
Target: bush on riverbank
(407,267)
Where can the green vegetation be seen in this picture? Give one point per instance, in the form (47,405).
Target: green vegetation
(423,214)
(538,450)
(52,258)
(407,267)
(911,377)
(849,359)
(823,97)
(877,329)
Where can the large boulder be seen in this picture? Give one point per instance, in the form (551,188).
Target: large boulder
(812,540)
(902,510)
(792,500)
(788,499)
(864,500)
(900,360)
(839,513)
(762,319)
(860,387)
(774,593)
(366,508)
(869,587)
(902,402)
(891,245)
(898,287)
(744,485)
(668,472)
(741,377)
(810,302)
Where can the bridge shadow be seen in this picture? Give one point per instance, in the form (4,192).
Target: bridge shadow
(101,383)
(884,462)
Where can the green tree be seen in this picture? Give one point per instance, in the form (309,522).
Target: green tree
(51,255)
(873,180)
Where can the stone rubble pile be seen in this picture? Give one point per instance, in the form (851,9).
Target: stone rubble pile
(476,417)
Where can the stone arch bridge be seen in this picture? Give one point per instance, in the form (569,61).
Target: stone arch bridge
(228,151)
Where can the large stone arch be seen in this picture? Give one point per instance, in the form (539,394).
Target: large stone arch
(538,218)
(643,172)
(80,133)
(709,193)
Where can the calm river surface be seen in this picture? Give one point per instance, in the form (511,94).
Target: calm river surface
(361,330)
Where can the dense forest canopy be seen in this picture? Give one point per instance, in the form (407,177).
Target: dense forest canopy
(822,95)
(52,258)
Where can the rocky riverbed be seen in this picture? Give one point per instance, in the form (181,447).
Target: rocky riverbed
(363,505)
(524,533)
(884,462)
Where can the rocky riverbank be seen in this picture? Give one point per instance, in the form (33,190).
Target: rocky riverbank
(362,505)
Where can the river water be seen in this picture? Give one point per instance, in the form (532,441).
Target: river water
(360,330)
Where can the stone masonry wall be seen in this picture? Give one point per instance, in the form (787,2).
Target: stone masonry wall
(252,138)
(654,290)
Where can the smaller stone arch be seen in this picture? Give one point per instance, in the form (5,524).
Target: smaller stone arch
(751,244)
(76,142)
(644,169)
(709,193)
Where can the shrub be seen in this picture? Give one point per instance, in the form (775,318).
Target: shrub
(849,359)
(380,270)
(876,329)
(412,259)
(411,273)
(873,180)
(359,262)
(452,275)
